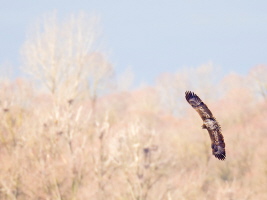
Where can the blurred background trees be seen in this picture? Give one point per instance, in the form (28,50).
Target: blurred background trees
(65,57)
(258,78)
(77,140)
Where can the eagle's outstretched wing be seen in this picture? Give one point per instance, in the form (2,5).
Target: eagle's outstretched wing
(209,123)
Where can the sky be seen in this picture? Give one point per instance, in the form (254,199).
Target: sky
(151,37)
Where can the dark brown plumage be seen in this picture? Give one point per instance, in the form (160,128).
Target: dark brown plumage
(209,123)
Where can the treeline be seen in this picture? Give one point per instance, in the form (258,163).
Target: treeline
(75,133)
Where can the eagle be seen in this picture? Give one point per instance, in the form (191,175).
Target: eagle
(209,123)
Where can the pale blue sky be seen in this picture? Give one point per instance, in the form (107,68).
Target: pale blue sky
(155,36)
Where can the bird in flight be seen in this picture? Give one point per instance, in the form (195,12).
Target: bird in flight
(209,123)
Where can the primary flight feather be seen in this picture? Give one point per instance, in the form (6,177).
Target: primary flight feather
(209,123)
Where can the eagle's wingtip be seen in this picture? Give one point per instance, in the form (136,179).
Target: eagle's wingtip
(191,95)
(188,92)
(188,95)
(221,156)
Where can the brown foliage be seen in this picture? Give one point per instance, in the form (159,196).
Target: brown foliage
(145,144)
(132,148)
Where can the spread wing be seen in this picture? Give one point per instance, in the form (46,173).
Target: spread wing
(209,123)
(198,105)
(217,143)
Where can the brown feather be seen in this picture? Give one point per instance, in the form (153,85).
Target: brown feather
(209,123)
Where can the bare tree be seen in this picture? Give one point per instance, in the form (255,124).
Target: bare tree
(258,80)
(142,161)
(64,56)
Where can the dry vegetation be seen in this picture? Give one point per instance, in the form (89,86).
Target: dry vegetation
(79,138)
